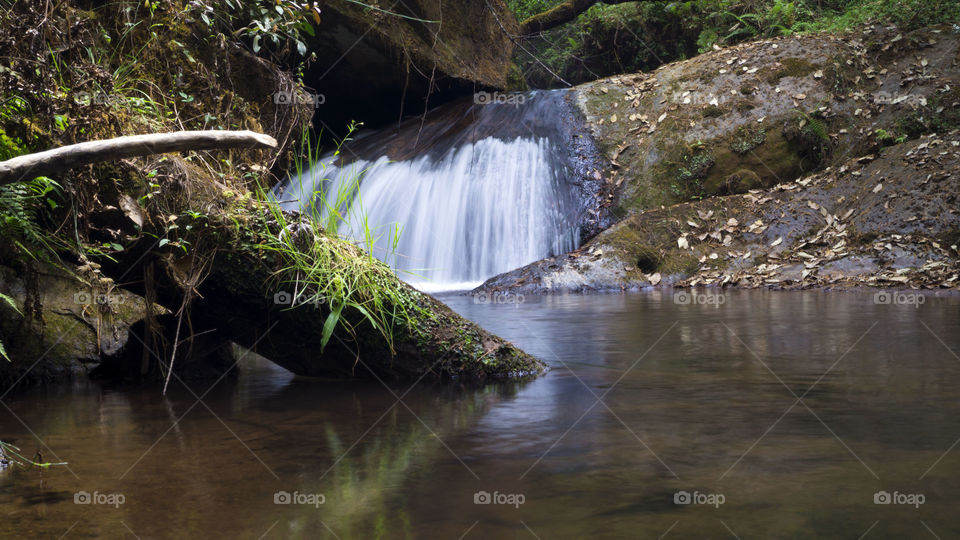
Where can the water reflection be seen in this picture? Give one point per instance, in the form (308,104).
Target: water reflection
(697,398)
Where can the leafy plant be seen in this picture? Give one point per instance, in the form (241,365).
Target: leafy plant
(12,303)
(12,454)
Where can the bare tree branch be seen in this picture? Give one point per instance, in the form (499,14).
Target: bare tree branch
(58,160)
(560,14)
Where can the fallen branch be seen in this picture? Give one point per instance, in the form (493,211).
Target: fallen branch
(57,160)
(561,14)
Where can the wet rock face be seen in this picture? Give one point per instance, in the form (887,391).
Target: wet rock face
(714,165)
(887,220)
(373,66)
(61,324)
(766,112)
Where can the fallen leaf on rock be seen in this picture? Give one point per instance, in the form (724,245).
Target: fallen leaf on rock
(878,188)
(777,242)
(682,242)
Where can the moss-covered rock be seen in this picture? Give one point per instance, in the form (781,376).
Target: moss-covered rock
(766,112)
(61,325)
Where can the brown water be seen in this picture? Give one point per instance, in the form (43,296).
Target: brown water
(695,398)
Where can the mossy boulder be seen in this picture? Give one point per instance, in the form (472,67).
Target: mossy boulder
(884,220)
(766,112)
(62,324)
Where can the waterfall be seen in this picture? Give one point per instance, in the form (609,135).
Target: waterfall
(476,190)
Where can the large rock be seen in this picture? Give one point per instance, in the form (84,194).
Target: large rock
(372,65)
(61,325)
(770,111)
(754,116)
(882,221)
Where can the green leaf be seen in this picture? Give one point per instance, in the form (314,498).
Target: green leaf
(330,324)
(163,242)
(3,353)
(11,302)
(256,43)
(301,48)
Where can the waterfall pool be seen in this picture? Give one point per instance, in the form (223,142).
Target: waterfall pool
(764,415)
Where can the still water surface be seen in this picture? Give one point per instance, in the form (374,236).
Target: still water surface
(792,409)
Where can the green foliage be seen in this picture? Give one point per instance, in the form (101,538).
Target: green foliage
(277,24)
(323,269)
(691,171)
(13,304)
(524,9)
(907,14)
(14,455)
(640,36)
(746,139)
(22,205)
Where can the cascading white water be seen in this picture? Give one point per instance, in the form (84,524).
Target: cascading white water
(471,210)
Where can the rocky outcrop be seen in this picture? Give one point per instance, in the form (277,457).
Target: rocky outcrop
(374,64)
(890,220)
(61,324)
(713,168)
(761,113)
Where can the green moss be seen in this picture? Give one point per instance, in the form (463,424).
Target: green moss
(937,116)
(691,171)
(9,148)
(677,261)
(746,139)
(790,67)
(712,111)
